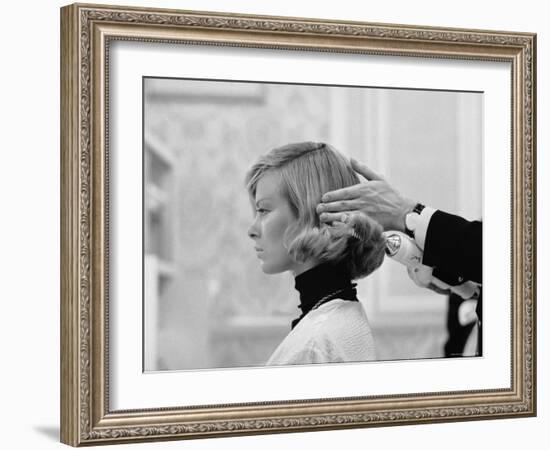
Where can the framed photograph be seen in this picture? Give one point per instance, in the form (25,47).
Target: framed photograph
(202,292)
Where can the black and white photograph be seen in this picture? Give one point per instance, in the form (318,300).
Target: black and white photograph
(292,224)
(276,224)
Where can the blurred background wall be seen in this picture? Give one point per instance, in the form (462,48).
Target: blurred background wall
(207,303)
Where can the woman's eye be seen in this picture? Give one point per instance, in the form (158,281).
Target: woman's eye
(261,211)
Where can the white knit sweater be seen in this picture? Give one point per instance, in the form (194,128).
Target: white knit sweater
(337,331)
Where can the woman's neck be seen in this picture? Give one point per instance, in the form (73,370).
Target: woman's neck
(300,268)
(321,283)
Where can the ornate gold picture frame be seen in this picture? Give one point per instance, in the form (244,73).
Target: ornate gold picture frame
(87,33)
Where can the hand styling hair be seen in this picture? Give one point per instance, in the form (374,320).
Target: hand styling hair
(308,170)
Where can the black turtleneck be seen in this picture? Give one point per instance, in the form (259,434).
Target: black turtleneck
(327,281)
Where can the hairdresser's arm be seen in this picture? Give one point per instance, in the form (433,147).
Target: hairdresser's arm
(450,243)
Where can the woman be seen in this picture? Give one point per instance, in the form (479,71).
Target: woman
(285,187)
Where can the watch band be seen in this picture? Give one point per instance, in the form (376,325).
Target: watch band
(418,208)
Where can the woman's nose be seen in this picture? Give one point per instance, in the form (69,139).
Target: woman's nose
(253,230)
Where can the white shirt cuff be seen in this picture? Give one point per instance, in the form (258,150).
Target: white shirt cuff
(422,226)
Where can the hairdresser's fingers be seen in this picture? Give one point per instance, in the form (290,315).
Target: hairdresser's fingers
(342,217)
(345,205)
(347,193)
(329,217)
(362,169)
(337,223)
(335,219)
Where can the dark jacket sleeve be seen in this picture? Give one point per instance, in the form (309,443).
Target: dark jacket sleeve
(454,245)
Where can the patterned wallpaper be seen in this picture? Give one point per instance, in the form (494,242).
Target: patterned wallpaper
(215,139)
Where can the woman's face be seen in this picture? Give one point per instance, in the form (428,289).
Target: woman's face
(272,217)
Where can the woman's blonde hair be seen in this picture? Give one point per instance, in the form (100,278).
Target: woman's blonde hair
(308,170)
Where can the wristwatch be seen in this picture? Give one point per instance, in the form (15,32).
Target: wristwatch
(412,218)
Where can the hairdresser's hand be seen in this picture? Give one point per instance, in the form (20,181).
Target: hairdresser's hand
(374,197)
